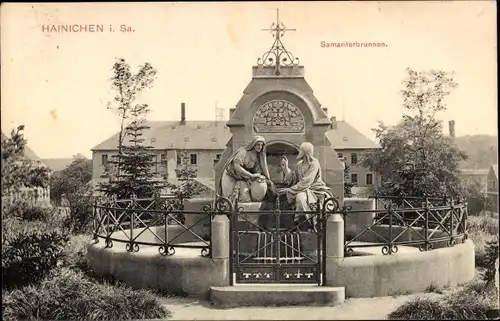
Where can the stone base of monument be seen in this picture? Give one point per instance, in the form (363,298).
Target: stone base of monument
(276,295)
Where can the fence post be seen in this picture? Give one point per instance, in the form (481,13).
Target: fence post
(334,247)
(220,237)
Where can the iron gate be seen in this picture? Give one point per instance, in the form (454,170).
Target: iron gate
(274,245)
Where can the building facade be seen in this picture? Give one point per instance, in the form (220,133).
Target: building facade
(203,142)
(492,194)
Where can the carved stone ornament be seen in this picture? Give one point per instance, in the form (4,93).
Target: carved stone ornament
(278,116)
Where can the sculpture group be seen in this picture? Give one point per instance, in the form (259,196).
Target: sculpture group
(246,178)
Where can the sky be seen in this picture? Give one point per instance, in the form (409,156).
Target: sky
(57,84)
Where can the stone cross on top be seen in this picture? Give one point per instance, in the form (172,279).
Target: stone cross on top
(278,56)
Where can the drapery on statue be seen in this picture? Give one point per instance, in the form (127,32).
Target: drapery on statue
(309,184)
(246,176)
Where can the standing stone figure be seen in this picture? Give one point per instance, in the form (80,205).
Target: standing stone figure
(287,175)
(310,186)
(246,176)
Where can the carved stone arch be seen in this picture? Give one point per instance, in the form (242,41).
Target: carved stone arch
(278,116)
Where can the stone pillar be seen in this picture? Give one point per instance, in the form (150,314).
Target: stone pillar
(220,251)
(334,247)
(220,237)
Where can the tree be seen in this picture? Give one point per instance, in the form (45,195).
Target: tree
(128,86)
(347,182)
(70,181)
(17,170)
(135,163)
(187,186)
(474,194)
(416,158)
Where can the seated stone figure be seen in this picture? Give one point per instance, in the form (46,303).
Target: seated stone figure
(309,184)
(245,177)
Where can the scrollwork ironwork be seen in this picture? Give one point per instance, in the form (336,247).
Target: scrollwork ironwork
(166,250)
(349,251)
(205,252)
(132,247)
(331,205)
(222,204)
(108,243)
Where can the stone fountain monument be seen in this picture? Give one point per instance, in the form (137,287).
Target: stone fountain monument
(279,105)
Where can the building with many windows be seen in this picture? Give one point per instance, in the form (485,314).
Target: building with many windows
(203,143)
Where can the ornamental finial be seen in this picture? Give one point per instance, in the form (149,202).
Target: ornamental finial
(278,56)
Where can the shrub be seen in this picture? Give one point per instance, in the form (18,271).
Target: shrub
(79,217)
(490,257)
(69,295)
(472,302)
(482,229)
(75,253)
(31,254)
(25,210)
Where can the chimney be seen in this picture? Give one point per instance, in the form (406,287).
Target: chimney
(231,112)
(325,110)
(451,125)
(183,113)
(334,122)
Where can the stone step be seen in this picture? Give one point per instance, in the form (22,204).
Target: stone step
(276,295)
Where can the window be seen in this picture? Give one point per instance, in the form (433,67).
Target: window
(156,163)
(193,159)
(369,179)
(340,155)
(104,159)
(354,158)
(354,179)
(179,159)
(217,158)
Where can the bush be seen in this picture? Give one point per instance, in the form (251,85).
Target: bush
(470,303)
(75,253)
(482,229)
(69,295)
(25,210)
(31,253)
(79,218)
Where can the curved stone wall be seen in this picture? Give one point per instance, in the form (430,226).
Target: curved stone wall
(386,275)
(185,272)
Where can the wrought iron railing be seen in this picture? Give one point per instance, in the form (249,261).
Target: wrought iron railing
(159,222)
(424,223)
(407,221)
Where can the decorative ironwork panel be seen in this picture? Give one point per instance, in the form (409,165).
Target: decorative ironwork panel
(281,246)
(278,116)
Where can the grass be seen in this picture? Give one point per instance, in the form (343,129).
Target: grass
(71,295)
(472,302)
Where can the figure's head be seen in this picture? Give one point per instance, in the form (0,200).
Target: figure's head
(257,144)
(283,162)
(306,151)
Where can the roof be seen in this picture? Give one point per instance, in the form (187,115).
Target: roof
(57,164)
(474,172)
(348,137)
(214,136)
(173,135)
(494,168)
(28,152)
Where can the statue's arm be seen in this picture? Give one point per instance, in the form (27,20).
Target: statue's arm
(241,171)
(238,162)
